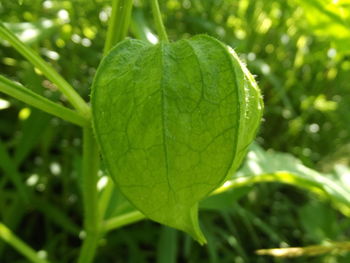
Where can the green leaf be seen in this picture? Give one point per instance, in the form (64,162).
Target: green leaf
(268,166)
(172,120)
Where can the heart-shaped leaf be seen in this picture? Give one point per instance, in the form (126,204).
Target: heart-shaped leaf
(172,121)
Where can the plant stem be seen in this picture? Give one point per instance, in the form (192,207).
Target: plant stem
(7,235)
(90,196)
(122,220)
(72,96)
(33,99)
(158,21)
(118,24)
(117,31)
(105,198)
(135,216)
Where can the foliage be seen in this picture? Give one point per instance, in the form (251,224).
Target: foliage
(299,53)
(181,115)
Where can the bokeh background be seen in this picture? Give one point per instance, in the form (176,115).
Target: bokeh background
(299,52)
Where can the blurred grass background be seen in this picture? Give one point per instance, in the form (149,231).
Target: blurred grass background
(300,54)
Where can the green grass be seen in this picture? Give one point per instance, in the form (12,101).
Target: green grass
(300,56)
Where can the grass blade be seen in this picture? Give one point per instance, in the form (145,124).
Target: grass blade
(72,96)
(21,93)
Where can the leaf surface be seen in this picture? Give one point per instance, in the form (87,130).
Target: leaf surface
(172,120)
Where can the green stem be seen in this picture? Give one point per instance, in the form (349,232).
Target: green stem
(7,235)
(105,198)
(33,99)
(135,216)
(117,31)
(122,220)
(281,177)
(72,96)
(118,24)
(90,196)
(158,21)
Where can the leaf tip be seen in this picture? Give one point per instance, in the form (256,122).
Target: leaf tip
(196,232)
